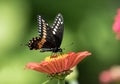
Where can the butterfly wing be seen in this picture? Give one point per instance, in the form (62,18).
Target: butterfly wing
(58,29)
(38,42)
(42,27)
(50,37)
(46,33)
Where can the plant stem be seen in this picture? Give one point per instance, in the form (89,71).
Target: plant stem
(61,81)
(46,82)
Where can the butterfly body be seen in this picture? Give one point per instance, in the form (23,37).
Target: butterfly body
(50,38)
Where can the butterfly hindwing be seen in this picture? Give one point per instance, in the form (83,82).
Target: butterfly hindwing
(33,44)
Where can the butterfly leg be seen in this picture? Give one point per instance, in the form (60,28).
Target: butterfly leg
(45,49)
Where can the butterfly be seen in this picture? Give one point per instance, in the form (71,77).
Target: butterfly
(50,37)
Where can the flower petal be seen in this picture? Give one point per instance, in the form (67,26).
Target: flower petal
(80,56)
(36,66)
(71,57)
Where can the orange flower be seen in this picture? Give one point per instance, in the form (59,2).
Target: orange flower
(58,64)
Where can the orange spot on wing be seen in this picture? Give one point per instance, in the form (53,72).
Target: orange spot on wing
(40,44)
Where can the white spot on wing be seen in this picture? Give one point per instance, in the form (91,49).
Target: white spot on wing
(53,32)
(59,19)
(39,30)
(58,22)
(56,27)
(61,22)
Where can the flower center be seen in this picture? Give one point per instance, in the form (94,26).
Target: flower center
(55,57)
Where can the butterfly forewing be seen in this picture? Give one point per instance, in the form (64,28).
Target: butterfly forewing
(45,31)
(58,29)
(42,27)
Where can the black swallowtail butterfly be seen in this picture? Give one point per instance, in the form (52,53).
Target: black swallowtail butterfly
(50,37)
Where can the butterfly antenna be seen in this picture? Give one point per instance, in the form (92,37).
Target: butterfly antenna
(70,44)
(67,46)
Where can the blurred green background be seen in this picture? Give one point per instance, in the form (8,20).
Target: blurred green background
(88,25)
